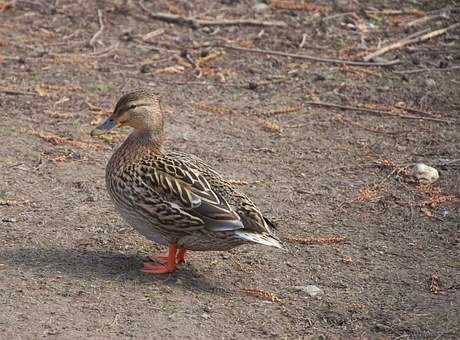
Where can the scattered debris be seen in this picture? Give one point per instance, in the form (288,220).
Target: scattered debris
(347,259)
(411,39)
(318,240)
(370,193)
(197,23)
(261,294)
(425,174)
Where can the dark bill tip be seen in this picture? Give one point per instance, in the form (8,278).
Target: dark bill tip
(107,125)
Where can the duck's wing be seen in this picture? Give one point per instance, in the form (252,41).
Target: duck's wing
(189,200)
(253,220)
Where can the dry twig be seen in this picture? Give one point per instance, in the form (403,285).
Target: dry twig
(408,41)
(390,12)
(307,57)
(419,70)
(17,93)
(96,35)
(381,112)
(196,23)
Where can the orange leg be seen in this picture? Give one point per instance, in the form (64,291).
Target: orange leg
(168,267)
(181,255)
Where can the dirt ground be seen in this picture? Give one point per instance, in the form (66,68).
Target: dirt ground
(382,248)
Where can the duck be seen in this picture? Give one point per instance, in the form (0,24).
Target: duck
(174,198)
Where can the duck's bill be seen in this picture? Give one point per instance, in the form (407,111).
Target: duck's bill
(107,125)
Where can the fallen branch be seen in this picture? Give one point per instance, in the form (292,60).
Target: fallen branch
(17,93)
(409,41)
(196,23)
(96,35)
(419,70)
(381,112)
(307,57)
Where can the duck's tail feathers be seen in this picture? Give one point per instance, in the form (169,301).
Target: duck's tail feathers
(265,239)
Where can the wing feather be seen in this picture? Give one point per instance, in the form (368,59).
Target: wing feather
(188,192)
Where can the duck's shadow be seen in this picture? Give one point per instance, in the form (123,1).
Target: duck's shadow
(103,264)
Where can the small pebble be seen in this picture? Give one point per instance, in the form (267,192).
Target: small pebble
(425,173)
(310,290)
(261,8)
(430,82)
(8,220)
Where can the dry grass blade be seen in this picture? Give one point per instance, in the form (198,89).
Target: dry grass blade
(316,240)
(261,294)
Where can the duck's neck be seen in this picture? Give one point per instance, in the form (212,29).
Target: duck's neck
(139,143)
(147,139)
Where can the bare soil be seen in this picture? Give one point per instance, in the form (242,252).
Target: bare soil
(69,264)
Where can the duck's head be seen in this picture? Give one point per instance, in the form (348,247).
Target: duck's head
(140,110)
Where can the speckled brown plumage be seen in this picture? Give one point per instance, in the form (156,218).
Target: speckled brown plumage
(171,197)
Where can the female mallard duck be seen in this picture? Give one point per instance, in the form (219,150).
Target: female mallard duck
(174,198)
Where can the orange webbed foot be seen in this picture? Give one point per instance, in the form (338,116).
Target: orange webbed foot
(149,268)
(181,254)
(159,258)
(167,262)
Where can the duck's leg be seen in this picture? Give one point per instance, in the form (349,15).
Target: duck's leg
(181,255)
(168,267)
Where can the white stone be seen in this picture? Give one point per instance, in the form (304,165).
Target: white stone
(425,173)
(310,290)
(261,7)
